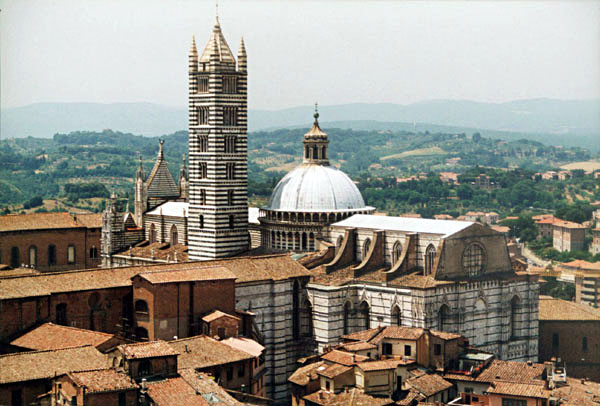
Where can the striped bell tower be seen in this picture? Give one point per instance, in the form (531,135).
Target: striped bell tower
(218,150)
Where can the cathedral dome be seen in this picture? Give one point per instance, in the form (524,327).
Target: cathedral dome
(314,187)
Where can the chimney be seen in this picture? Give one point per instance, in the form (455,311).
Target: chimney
(529,362)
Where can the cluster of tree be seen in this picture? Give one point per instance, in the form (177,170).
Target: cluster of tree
(35,201)
(76,191)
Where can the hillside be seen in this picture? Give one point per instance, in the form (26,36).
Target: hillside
(557,122)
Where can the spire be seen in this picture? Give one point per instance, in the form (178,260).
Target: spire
(316,131)
(140,171)
(217,50)
(242,57)
(193,65)
(316,143)
(316,115)
(217,11)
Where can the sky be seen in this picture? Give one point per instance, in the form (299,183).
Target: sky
(335,52)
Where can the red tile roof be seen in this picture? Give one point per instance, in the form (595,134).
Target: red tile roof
(217,314)
(511,371)
(202,352)
(557,309)
(343,358)
(364,335)
(399,332)
(149,349)
(358,346)
(429,384)
(274,267)
(28,366)
(103,380)
(244,344)
(174,391)
(519,389)
(380,365)
(206,386)
(334,370)
(354,397)
(187,275)
(48,221)
(582,265)
(303,375)
(51,336)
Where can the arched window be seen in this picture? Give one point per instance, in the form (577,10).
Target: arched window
(174,236)
(396,316)
(396,252)
(515,316)
(141,306)
(51,254)
(480,316)
(304,242)
(33,256)
(230,197)
(473,259)
(444,318)
(307,322)
(295,309)
(315,152)
(203,142)
(142,334)
(365,248)
(152,233)
(61,314)
(429,259)
(347,310)
(15,257)
(201,221)
(365,316)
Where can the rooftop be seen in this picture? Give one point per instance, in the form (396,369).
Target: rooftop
(49,221)
(149,349)
(29,366)
(157,250)
(174,391)
(244,344)
(103,380)
(359,346)
(354,397)
(209,273)
(405,224)
(429,384)
(557,309)
(217,314)
(580,264)
(381,365)
(51,336)
(303,375)
(171,209)
(343,358)
(274,267)
(202,352)
(519,389)
(206,386)
(334,370)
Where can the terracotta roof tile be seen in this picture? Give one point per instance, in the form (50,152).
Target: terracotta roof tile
(28,366)
(582,265)
(265,267)
(17,272)
(519,389)
(444,335)
(557,309)
(174,391)
(398,332)
(48,221)
(511,371)
(380,365)
(359,346)
(354,397)
(158,250)
(429,384)
(343,358)
(51,336)
(149,349)
(217,314)
(206,386)
(364,335)
(103,380)
(244,344)
(334,370)
(303,375)
(187,275)
(577,393)
(202,352)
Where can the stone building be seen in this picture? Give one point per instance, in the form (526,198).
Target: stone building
(50,241)
(595,245)
(310,197)
(452,276)
(568,236)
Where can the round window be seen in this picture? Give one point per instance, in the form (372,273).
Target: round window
(473,259)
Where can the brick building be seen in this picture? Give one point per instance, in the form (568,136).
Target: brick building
(50,241)
(97,387)
(571,332)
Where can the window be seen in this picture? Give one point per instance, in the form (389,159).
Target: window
(71,254)
(230,197)
(514,316)
(584,344)
(122,399)
(444,318)
(74,401)
(229,373)
(202,84)
(396,316)
(230,144)
(396,252)
(15,257)
(407,350)
(229,84)
(144,368)
(555,341)
(201,221)
(142,334)
(347,308)
(366,246)
(33,256)
(514,402)
(295,309)
(386,349)
(61,314)
(93,252)
(327,385)
(202,170)
(16,397)
(437,349)
(241,371)
(230,116)
(52,254)
(202,115)
(152,233)
(174,235)
(365,316)
(230,170)
(429,259)
(141,306)
(202,197)
(203,143)
(473,259)
(231,221)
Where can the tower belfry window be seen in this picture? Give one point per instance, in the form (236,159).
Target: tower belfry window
(230,144)
(230,84)
(202,197)
(203,143)
(203,115)
(230,116)
(202,170)
(202,84)
(230,170)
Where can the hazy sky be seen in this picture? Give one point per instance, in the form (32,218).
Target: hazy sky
(301,51)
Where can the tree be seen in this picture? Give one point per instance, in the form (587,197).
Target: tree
(476,137)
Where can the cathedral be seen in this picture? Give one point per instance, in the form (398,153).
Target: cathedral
(361,270)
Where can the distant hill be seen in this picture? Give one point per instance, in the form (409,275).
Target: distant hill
(548,120)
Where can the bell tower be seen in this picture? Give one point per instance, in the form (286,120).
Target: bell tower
(218,150)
